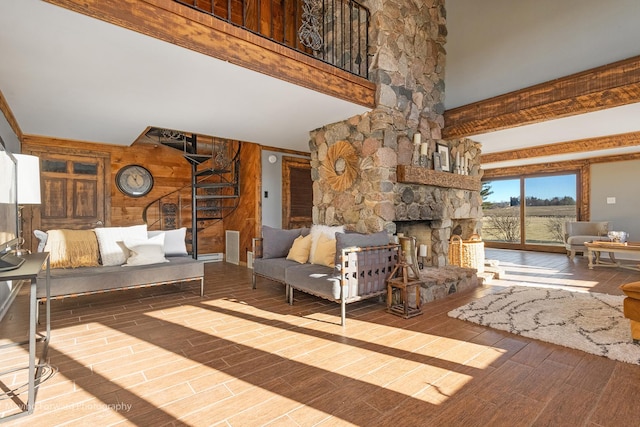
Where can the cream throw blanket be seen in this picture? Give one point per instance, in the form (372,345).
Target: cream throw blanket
(72,248)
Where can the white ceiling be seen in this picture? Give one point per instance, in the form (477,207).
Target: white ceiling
(69,76)
(498,46)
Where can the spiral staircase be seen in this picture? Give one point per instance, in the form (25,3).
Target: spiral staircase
(214,191)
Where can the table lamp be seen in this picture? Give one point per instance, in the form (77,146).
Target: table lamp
(28,189)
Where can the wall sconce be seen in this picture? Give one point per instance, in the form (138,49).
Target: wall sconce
(272,159)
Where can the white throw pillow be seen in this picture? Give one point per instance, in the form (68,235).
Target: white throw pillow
(174,241)
(327,231)
(111,252)
(147,251)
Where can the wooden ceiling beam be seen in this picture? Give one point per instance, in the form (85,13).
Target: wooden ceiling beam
(603,87)
(579,146)
(11,119)
(554,167)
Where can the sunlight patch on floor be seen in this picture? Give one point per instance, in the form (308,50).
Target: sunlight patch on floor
(525,280)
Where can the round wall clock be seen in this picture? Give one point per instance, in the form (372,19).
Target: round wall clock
(134,180)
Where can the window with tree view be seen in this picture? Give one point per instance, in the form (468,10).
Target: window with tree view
(549,201)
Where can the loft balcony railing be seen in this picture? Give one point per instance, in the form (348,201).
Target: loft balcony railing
(334,31)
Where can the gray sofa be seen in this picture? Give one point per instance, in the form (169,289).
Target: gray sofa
(363,263)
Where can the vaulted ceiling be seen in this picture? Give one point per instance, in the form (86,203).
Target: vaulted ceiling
(70,76)
(496,47)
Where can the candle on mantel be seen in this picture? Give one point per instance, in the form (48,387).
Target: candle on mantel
(423,251)
(458,159)
(424,149)
(417,138)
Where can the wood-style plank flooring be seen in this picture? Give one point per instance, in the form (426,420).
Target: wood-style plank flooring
(243,357)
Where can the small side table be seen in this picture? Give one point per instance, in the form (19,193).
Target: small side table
(403,308)
(29,271)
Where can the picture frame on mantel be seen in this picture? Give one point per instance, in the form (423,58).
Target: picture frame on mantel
(437,165)
(445,161)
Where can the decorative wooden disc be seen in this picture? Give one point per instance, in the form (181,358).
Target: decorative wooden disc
(340,167)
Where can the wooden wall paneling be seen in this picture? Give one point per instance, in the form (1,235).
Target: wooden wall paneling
(210,237)
(171,172)
(603,87)
(220,8)
(291,23)
(206,5)
(277,17)
(178,24)
(251,14)
(168,166)
(246,218)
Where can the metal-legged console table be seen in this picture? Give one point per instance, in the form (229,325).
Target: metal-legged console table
(29,271)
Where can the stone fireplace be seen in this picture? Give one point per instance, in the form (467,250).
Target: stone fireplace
(367,171)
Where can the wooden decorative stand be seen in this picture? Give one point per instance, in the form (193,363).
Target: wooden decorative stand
(399,279)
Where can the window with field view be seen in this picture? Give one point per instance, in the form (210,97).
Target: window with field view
(528,210)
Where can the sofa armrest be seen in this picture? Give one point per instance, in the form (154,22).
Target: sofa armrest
(256,247)
(365,270)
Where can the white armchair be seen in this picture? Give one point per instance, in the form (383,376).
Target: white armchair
(578,232)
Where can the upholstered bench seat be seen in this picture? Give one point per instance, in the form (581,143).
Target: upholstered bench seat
(87,280)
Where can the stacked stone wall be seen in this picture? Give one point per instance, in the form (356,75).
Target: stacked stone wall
(408,60)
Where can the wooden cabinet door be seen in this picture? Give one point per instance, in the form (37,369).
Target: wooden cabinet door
(73,192)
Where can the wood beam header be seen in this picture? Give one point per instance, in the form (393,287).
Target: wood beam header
(579,146)
(603,87)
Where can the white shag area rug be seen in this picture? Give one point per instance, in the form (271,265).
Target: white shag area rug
(590,322)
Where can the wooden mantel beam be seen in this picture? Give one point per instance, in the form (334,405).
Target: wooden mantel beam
(175,23)
(603,87)
(579,146)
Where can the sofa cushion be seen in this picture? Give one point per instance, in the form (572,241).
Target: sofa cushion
(316,231)
(273,268)
(277,242)
(113,253)
(147,251)
(174,241)
(315,279)
(325,251)
(72,248)
(299,251)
